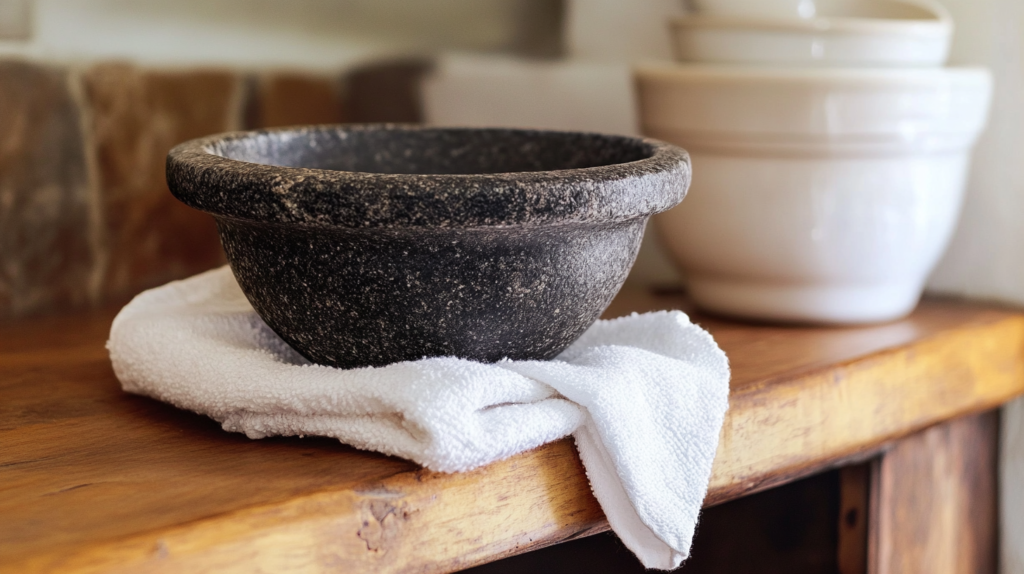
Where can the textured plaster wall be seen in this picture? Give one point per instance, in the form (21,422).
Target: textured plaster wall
(986,256)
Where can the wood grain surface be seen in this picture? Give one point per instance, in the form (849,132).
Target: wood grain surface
(94,480)
(935,501)
(854,497)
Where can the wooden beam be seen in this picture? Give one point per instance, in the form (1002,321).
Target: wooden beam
(854,490)
(935,501)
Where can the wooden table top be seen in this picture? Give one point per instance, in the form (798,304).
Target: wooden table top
(95,480)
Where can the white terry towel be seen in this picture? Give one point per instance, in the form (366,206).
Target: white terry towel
(644,396)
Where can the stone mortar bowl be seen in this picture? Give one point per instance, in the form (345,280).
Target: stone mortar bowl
(368,245)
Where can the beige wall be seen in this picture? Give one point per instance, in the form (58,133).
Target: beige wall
(986,257)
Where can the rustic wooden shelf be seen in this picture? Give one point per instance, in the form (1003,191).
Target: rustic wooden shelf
(95,480)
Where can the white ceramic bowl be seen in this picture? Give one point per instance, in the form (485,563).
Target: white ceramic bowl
(843,33)
(821,196)
(770,8)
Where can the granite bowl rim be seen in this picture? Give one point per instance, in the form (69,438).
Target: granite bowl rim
(191,164)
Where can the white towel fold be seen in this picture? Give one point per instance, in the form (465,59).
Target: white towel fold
(645,397)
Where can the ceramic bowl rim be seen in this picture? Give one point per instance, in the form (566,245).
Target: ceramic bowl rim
(195,174)
(978,77)
(940,23)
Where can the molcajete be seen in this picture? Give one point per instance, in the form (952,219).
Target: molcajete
(368,245)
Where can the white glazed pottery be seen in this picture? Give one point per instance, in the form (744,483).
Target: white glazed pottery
(818,195)
(841,33)
(769,8)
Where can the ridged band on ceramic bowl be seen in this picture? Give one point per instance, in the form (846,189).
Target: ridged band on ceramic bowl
(822,196)
(747,109)
(367,245)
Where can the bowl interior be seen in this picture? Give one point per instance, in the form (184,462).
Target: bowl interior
(426,151)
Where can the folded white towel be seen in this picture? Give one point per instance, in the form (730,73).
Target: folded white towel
(645,396)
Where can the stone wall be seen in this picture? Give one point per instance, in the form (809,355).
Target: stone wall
(86,218)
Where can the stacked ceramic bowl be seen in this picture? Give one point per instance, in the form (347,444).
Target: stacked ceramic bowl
(830,151)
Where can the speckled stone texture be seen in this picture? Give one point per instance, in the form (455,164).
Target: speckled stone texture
(368,245)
